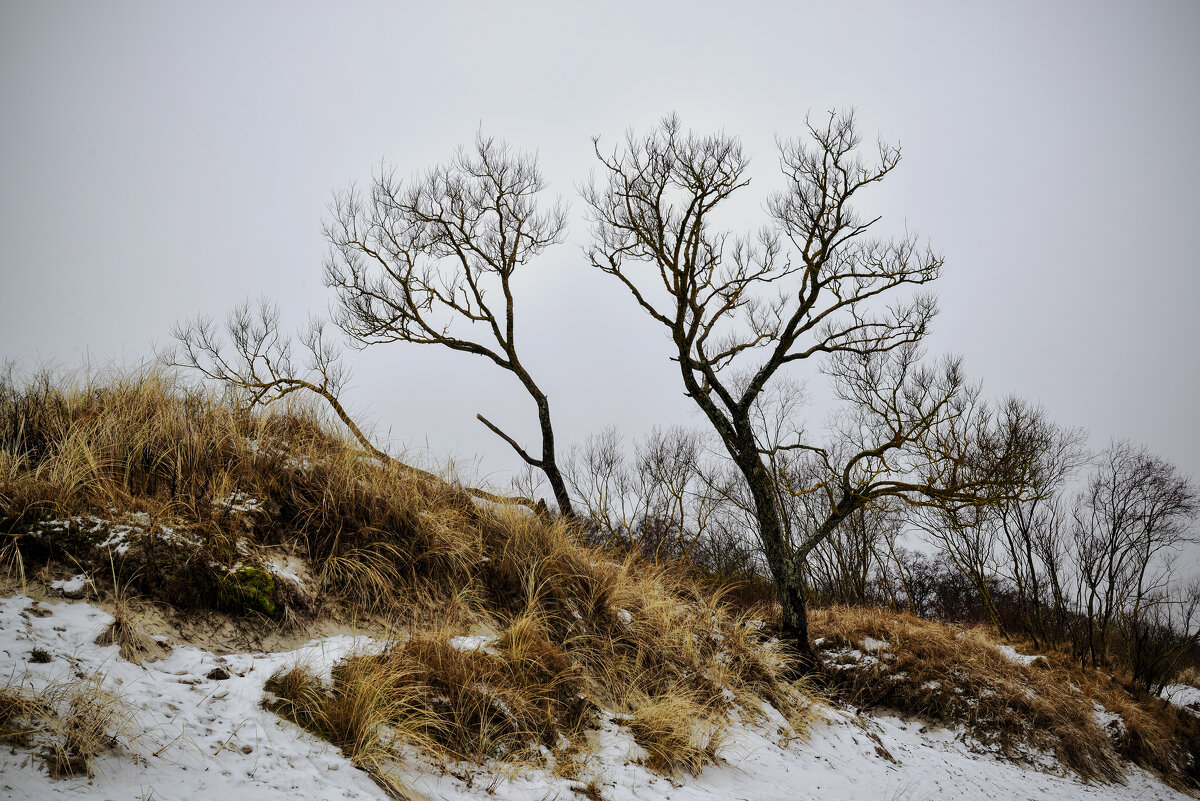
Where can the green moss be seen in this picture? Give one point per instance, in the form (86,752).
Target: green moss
(247,588)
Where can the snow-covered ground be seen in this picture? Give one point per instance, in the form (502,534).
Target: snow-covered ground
(1184,695)
(198,737)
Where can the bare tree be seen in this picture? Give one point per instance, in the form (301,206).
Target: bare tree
(1032,530)
(1136,511)
(613,495)
(658,503)
(851,566)
(1163,634)
(1014,545)
(811,284)
(432,262)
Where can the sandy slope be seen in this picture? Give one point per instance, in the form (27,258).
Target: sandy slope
(207,738)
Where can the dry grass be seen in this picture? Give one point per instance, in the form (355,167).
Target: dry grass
(1189,675)
(571,629)
(1151,732)
(21,713)
(365,712)
(574,632)
(134,645)
(201,495)
(959,677)
(200,489)
(71,722)
(680,731)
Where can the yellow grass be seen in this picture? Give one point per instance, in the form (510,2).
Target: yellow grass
(72,722)
(208,495)
(959,677)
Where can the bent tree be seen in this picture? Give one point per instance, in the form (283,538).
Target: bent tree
(431,261)
(811,286)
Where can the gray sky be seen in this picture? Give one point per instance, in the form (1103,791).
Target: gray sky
(161,160)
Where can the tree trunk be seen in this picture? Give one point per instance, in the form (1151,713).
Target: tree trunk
(549,465)
(785,569)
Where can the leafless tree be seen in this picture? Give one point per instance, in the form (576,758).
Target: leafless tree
(1015,544)
(252,357)
(1166,630)
(813,283)
(1033,529)
(432,261)
(657,503)
(612,495)
(851,566)
(968,539)
(1136,511)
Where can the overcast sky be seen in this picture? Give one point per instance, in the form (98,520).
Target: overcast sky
(161,160)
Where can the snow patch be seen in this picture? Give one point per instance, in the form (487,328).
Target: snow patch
(75,585)
(1011,655)
(474,642)
(1184,695)
(1109,721)
(285,567)
(239,502)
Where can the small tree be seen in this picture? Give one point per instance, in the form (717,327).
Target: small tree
(1135,513)
(661,504)
(811,284)
(432,262)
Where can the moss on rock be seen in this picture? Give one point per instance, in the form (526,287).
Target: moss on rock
(247,588)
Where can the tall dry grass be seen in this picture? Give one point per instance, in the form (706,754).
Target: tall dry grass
(365,712)
(203,483)
(878,658)
(205,496)
(575,633)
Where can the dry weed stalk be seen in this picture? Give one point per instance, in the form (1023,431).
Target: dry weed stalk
(72,721)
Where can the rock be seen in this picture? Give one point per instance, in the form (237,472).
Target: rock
(217,674)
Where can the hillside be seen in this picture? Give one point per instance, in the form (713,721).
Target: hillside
(199,602)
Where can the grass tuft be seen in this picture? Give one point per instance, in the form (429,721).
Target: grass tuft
(71,722)
(366,712)
(680,731)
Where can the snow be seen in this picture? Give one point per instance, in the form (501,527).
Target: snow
(1184,695)
(473,642)
(201,738)
(239,502)
(1109,721)
(72,586)
(847,758)
(198,739)
(1011,655)
(118,531)
(286,567)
